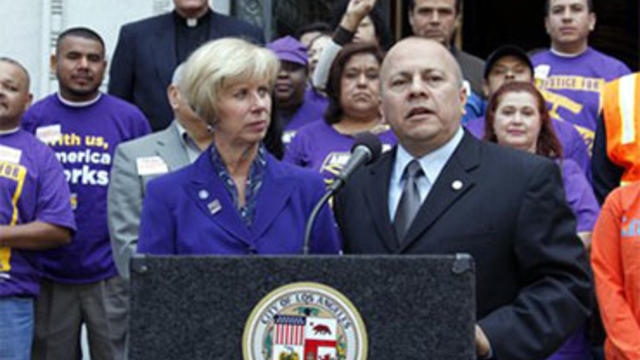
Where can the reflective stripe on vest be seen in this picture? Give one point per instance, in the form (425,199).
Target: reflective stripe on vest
(622,124)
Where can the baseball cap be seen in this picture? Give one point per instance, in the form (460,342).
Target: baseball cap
(289,49)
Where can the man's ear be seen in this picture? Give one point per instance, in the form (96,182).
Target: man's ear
(28,103)
(173,95)
(547,27)
(410,17)
(592,21)
(53,63)
(485,88)
(463,96)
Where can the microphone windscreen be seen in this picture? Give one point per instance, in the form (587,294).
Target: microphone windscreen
(372,142)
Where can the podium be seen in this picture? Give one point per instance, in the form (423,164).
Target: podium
(302,307)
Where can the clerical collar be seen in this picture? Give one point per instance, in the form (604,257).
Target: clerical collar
(191,22)
(10,131)
(79,104)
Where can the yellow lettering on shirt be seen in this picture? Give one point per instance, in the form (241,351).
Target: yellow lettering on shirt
(17,173)
(557,100)
(571,83)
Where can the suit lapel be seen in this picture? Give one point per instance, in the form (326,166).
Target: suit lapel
(163,49)
(376,193)
(454,181)
(274,194)
(206,189)
(170,148)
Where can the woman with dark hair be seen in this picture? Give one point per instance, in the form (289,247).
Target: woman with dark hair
(537,136)
(354,107)
(359,21)
(517,117)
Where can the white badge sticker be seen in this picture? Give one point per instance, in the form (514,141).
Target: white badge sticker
(542,71)
(10,154)
(49,134)
(151,165)
(287,136)
(467,87)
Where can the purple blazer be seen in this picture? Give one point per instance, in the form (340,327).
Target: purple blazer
(190,212)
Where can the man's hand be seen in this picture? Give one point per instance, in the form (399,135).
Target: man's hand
(482,343)
(356,11)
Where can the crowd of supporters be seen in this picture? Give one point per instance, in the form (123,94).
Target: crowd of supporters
(212,141)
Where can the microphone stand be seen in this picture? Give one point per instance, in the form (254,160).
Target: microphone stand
(366,148)
(312,219)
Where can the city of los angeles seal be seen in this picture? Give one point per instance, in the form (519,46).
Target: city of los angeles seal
(304,321)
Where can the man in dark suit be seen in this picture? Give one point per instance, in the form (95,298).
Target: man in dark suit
(150,49)
(504,207)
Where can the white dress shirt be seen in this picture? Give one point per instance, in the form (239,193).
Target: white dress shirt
(432,164)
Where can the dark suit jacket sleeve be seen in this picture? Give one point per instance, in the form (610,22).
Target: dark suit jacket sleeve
(124,204)
(555,283)
(606,175)
(121,74)
(157,224)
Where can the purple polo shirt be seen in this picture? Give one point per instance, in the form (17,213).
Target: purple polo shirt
(320,147)
(32,188)
(84,139)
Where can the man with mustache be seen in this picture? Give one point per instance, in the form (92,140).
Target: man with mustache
(83,127)
(572,75)
(441,191)
(439,20)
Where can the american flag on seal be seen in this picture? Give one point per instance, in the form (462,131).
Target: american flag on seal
(289,330)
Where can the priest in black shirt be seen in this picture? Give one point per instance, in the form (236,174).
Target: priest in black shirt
(150,49)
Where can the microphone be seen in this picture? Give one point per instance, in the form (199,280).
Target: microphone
(365,150)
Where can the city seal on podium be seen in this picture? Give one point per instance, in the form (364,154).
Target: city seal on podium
(304,321)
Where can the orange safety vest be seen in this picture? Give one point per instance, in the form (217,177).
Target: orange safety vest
(622,125)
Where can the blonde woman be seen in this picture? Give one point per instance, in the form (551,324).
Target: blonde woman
(236,198)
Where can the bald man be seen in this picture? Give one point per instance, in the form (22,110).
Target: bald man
(35,212)
(503,206)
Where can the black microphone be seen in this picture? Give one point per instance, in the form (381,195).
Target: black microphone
(365,150)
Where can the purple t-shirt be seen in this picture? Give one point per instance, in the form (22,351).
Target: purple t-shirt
(320,147)
(579,196)
(573,147)
(84,140)
(312,109)
(32,188)
(573,86)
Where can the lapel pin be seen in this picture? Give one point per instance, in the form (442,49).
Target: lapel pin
(456,185)
(214,206)
(203,194)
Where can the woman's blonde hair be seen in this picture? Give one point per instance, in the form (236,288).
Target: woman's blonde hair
(221,63)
